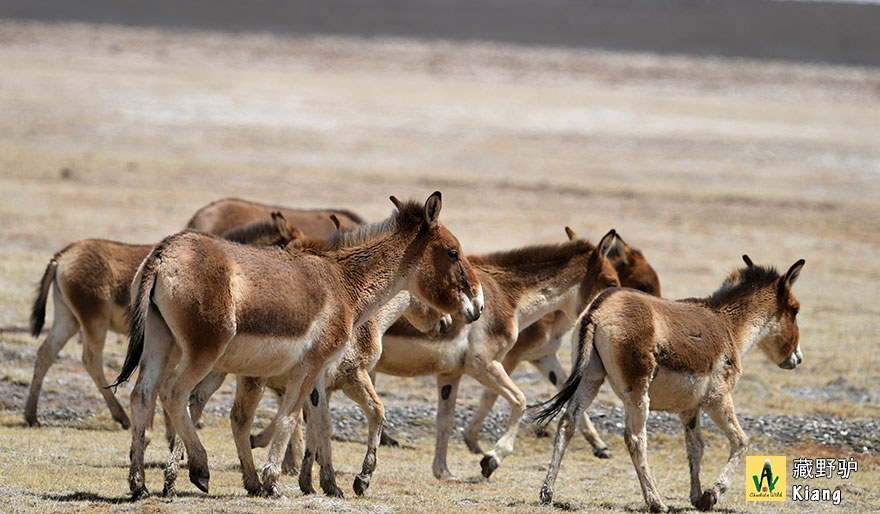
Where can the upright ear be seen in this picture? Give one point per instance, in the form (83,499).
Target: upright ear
(281,225)
(395,201)
(792,274)
(607,243)
(748,261)
(335,220)
(432,207)
(570,233)
(619,252)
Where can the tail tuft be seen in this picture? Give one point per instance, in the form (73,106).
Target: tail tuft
(38,313)
(137,313)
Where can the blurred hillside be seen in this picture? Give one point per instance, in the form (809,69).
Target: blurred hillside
(832,32)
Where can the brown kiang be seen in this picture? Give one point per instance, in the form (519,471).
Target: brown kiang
(539,343)
(677,356)
(91,280)
(266,312)
(520,287)
(228,213)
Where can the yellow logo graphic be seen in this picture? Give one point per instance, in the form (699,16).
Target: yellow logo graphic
(765,478)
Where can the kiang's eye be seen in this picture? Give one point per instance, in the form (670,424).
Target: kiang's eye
(794,311)
(453,254)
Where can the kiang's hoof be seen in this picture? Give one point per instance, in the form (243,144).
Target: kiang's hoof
(334,492)
(32,422)
(306,486)
(602,453)
(251,439)
(275,493)
(124,423)
(658,507)
(200,476)
(546,496)
(387,440)
(708,500)
(489,465)
(139,494)
(360,485)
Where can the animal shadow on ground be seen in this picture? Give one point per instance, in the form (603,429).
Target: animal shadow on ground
(81,496)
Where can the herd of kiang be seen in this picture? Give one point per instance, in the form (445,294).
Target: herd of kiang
(308,302)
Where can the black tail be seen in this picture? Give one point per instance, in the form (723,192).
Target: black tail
(137,314)
(38,313)
(546,411)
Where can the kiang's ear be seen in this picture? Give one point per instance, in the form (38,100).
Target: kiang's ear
(619,252)
(607,243)
(395,201)
(432,207)
(335,220)
(792,274)
(570,233)
(748,261)
(281,225)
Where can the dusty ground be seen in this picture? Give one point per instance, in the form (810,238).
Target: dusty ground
(123,133)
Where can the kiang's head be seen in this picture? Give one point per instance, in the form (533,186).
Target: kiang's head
(443,278)
(781,343)
(633,268)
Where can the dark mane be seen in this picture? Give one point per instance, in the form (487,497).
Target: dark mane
(409,215)
(533,254)
(263,230)
(742,282)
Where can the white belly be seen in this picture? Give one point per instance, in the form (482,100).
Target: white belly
(419,356)
(674,391)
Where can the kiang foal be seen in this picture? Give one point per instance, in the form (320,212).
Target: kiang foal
(262,312)
(520,286)
(677,356)
(539,343)
(91,281)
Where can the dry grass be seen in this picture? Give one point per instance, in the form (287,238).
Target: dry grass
(122,133)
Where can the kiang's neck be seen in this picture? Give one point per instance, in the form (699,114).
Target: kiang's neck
(392,310)
(376,271)
(747,323)
(544,289)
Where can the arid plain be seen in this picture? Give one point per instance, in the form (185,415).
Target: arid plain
(122,133)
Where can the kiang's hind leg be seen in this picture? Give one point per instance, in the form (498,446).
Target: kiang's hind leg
(303,377)
(159,359)
(551,368)
(591,381)
(636,404)
(197,400)
(693,439)
(203,392)
(384,438)
(63,328)
(175,393)
(318,433)
(724,415)
(94,336)
(248,392)
(295,452)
